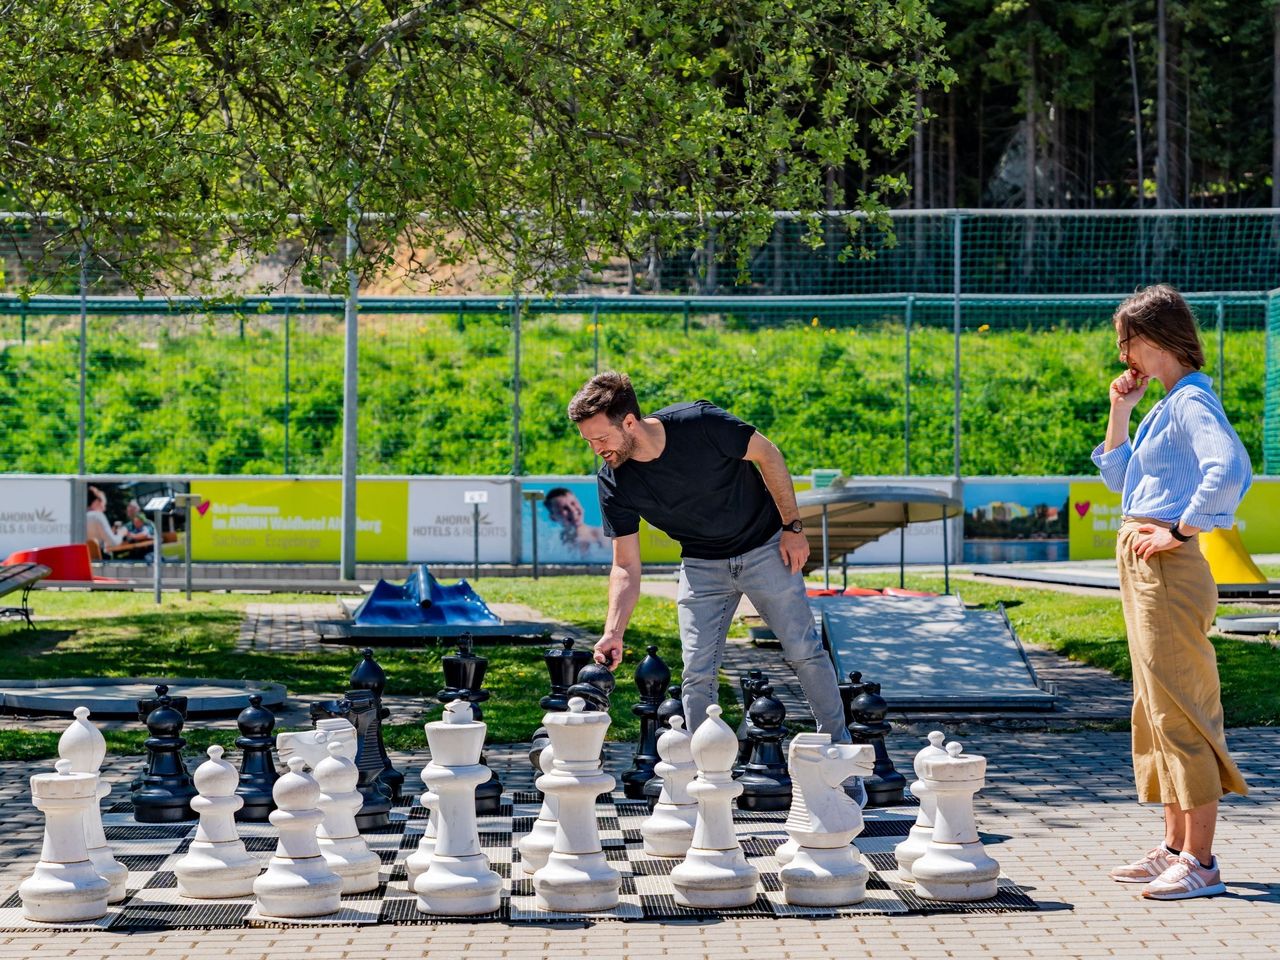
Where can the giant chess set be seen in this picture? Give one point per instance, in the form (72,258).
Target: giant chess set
(713,823)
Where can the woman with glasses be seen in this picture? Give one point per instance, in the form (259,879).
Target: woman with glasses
(1184,472)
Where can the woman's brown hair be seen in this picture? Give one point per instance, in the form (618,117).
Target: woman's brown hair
(1161,316)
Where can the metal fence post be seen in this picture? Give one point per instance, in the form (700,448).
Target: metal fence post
(1222,346)
(82,428)
(350,402)
(906,384)
(955,322)
(595,331)
(286,387)
(515,386)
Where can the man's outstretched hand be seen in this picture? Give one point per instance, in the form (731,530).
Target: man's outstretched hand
(608,651)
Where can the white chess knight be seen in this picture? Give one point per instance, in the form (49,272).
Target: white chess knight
(330,753)
(298,881)
(216,866)
(668,831)
(955,867)
(577,877)
(714,872)
(64,887)
(458,880)
(825,870)
(912,849)
(83,744)
(536,845)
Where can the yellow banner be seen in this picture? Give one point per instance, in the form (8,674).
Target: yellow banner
(297,521)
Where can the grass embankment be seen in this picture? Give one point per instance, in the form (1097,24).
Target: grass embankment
(124,635)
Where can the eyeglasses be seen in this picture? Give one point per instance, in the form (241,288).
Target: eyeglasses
(1122,345)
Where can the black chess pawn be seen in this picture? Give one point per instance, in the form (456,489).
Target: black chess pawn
(369,675)
(257,767)
(358,709)
(163,792)
(673,706)
(463,675)
(595,684)
(563,663)
(855,787)
(885,787)
(651,678)
(766,784)
(750,682)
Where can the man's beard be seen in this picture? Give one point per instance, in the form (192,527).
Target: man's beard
(624,450)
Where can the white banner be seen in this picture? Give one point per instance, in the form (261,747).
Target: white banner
(34,513)
(441,528)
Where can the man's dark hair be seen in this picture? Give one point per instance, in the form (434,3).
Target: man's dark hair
(555,493)
(609,393)
(1160,315)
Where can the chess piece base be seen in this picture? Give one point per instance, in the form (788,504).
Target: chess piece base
(373,817)
(64,893)
(257,806)
(669,830)
(353,861)
(577,883)
(715,878)
(536,845)
(634,781)
(416,863)
(885,791)
(955,873)
(459,886)
(294,889)
(830,877)
(489,797)
(786,852)
(217,871)
(111,870)
(912,849)
(148,807)
(763,793)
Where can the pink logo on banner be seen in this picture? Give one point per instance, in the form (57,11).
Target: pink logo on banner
(203,508)
(1083,507)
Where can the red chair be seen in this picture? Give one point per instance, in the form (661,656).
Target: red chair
(68,562)
(861,592)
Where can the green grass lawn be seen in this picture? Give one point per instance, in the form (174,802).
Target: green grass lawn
(126,635)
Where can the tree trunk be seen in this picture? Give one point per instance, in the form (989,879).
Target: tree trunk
(1137,118)
(917,155)
(1029,170)
(1090,171)
(951,148)
(1164,184)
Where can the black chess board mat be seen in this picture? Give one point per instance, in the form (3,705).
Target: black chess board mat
(149,851)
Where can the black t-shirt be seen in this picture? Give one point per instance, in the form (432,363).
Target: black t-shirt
(700,492)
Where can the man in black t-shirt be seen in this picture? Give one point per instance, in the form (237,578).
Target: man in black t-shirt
(722,491)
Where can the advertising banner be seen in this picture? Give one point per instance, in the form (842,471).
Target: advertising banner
(296,521)
(441,520)
(1015,519)
(567,518)
(923,540)
(34,513)
(1095,517)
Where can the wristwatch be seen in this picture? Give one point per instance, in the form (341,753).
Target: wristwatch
(795,526)
(1178,534)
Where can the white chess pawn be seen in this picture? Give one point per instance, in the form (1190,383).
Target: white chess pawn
(83,744)
(64,887)
(912,849)
(668,830)
(298,881)
(216,866)
(714,872)
(417,862)
(536,845)
(340,842)
(954,866)
(826,870)
(458,880)
(577,877)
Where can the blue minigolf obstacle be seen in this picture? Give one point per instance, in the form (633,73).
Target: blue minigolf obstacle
(422,599)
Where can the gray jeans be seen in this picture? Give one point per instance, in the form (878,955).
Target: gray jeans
(709,595)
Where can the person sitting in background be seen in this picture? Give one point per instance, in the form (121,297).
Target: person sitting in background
(136,527)
(97,527)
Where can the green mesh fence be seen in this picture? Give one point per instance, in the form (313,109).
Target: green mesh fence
(1271,417)
(459,386)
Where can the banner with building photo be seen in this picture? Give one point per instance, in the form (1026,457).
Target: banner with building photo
(34,513)
(1015,519)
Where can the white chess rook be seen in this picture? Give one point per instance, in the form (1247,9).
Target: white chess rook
(83,744)
(298,881)
(714,872)
(668,831)
(912,849)
(826,870)
(536,845)
(64,887)
(954,866)
(576,877)
(458,880)
(216,866)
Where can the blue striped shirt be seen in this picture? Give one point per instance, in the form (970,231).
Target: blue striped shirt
(1185,462)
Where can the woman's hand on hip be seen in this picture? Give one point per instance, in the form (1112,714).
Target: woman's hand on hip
(1153,539)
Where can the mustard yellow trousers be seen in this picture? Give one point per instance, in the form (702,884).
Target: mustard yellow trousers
(1179,747)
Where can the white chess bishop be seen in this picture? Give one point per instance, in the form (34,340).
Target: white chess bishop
(64,887)
(216,866)
(330,753)
(913,848)
(576,877)
(714,872)
(298,881)
(825,870)
(955,867)
(668,831)
(83,744)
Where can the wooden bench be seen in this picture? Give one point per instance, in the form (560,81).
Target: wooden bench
(21,576)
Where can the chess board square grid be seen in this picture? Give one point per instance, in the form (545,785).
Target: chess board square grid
(150,851)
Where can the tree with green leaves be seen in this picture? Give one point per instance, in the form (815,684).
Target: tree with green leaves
(161,133)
